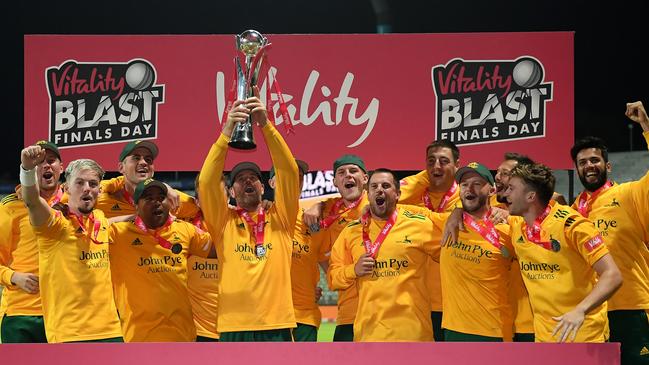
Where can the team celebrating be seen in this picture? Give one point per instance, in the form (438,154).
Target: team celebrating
(451,253)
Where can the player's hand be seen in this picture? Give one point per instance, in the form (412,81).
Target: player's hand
(498,215)
(364,265)
(26,281)
(237,114)
(318,293)
(454,224)
(31,157)
(173,197)
(312,216)
(266,204)
(636,112)
(568,325)
(257,108)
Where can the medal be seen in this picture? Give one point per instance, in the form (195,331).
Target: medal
(260,251)
(504,251)
(315,227)
(556,246)
(176,248)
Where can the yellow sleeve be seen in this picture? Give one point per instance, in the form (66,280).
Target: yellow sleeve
(413,187)
(200,242)
(213,202)
(341,274)
(7,245)
(113,185)
(585,238)
(52,229)
(187,209)
(640,193)
(287,193)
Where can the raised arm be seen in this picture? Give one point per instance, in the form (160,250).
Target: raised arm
(30,158)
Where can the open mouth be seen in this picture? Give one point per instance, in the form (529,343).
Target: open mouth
(380,201)
(349,184)
(249,190)
(48,175)
(158,212)
(500,187)
(469,197)
(86,198)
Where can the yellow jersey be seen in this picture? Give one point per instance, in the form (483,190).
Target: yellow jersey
(254,292)
(561,276)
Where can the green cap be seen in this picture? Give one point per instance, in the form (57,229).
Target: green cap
(349,160)
(478,168)
(49,146)
(139,143)
(148,183)
(301,165)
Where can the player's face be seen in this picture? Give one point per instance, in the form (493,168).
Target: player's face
(153,207)
(247,189)
(350,181)
(83,189)
(138,166)
(502,178)
(592,170)
(49,171)
(518,196)
(474,192)
(382,194)
(441,168)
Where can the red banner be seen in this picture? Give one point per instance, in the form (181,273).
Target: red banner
(382,97)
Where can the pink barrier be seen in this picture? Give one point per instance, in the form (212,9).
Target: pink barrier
(312,353)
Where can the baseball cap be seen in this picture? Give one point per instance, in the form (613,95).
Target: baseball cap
(146,184)
(243,166)
(476,167)
(49,146)
(152,147)
(349,159)
(301,165)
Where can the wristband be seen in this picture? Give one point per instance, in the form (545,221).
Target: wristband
(27,177)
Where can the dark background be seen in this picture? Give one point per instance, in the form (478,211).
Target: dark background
(610,41)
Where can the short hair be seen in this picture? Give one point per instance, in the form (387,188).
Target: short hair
(589,142)
(445,143)
(521,159)
(538,178)
(387,171)
(83,164)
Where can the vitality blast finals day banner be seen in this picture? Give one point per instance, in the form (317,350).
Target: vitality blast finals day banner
(383,97)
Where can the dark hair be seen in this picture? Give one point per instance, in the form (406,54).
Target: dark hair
(538,178)
(445,143)
(521,159)
(589,142)
(387,171)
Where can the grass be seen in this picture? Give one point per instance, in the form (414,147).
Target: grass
(326,331)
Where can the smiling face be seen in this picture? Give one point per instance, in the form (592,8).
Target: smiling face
(247,190)
(441,168)
(383,194)
(83,189)
(137,166)
(49,172)
(153,207)
(474,193)
(591,168)
(350,181)
(518,196)
(502,178)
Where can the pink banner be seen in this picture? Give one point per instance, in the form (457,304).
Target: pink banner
(313,353)
(382,97)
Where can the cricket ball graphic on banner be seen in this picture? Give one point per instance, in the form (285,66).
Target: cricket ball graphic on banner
(490,101)
(98,103)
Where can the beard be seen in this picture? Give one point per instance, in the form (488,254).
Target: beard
(86,210)
(501,199)
(602,176)
(481,201)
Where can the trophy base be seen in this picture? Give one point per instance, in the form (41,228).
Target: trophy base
(242,145)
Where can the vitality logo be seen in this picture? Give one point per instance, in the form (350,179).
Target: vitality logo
(487,101)
(98,103)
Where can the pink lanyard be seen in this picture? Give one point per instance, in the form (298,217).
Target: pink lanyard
(175,248)
(585,203)
(257,228)
(489,232)
(372,248)
(95,227)
(333,216)
(443,202)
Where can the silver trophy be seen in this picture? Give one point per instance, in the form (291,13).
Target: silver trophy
(250,43)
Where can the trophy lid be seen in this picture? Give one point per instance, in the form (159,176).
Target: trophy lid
(250,41)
